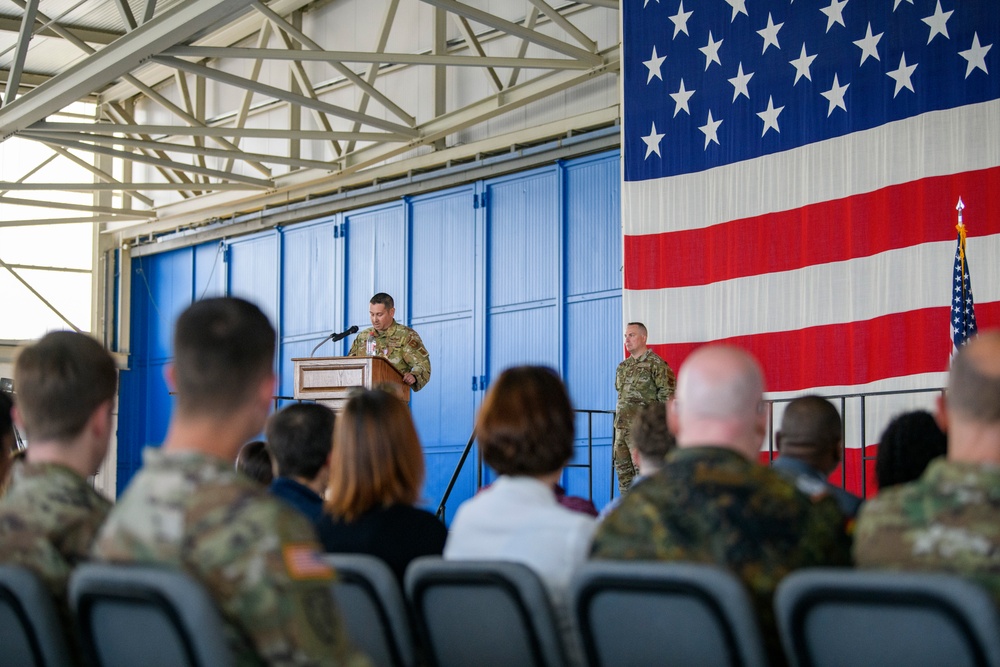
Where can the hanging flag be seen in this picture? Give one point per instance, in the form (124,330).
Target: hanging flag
(785,168)
(963,309)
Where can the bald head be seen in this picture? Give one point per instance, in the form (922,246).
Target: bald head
(971,412)
(811,431)
(718,400)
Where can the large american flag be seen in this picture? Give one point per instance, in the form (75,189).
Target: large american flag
(791,172)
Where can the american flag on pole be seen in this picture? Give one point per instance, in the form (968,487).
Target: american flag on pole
(790,172)
(963,308)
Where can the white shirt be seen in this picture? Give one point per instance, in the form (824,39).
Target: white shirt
(519,519)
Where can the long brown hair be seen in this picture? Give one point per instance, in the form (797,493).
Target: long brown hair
(377,459)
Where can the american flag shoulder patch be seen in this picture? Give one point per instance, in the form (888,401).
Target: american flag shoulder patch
(303,562)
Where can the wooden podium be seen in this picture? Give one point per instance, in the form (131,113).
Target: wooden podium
(328,380)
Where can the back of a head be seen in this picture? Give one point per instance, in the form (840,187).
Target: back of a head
(7,439)
(376,460)
(908,444)
(526,423)
(223,349)
(299,438)
(719,397)
(650,435)
(61,380)
(811,431)
(974,381)
(254,461)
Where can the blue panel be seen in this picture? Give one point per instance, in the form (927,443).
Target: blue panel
(442,311)
(524,238)
(593,227)
(376,262)
(524,336)
(209,270)
(310,275)
(166,279)
(253,271)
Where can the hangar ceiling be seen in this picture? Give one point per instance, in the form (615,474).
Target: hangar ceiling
(206,109)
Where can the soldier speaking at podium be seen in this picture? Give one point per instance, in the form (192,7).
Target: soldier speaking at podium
(399,345)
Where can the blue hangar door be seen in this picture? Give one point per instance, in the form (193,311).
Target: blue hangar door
(525,268)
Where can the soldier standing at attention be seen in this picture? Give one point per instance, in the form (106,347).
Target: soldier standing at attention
(189,509)
(66,385)
(641,379)
(399,345)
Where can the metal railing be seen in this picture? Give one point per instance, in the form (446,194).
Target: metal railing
(846,414)
(589,465)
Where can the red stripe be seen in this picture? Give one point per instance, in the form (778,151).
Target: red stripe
(894,217)
(853,353)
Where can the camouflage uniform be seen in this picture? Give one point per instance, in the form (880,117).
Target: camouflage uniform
(639,381)
(947,520)
(255,556)
(400,346)
(711,505)
(48,520)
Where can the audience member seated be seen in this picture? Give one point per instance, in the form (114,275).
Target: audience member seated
(299,438)
(525,433)
(254,461)
(48,520)
(908,444)
(949,519)
(651,442)
(188,508)
(810,443)
(713,503)
(376,473)
(7,439)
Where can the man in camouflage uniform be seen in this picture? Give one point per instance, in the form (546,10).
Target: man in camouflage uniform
(66,386)
(712,502)
(949,518)
(641,379)
(188,508)
(399,345)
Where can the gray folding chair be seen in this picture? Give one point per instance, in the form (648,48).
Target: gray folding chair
(654,613)
(483,613)
(131,615)
(31,632)
(834,617)
(373,609)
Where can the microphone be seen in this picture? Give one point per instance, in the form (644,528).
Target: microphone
(335,337)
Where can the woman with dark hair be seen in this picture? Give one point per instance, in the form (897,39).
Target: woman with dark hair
(7,439)
(525,433)
(376,473)
(908,444)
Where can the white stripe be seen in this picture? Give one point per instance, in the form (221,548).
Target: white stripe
(932,144)
(896,281)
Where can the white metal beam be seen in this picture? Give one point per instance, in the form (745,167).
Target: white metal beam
(215,131)
(20,51)
(115,60)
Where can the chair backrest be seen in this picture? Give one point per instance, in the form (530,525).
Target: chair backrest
(31,631)
(136,615)
(483,613)
(373,609)
(649,613)
(849,617)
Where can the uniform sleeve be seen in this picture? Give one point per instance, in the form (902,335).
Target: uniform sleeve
(262,563)
(879,538)
(417,359)
(619,377)
(665,382)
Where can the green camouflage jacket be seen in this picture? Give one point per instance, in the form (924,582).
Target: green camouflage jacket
(400,346)
(48,521)
(256,556)
(948,520)
(711,505)
(640,381)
